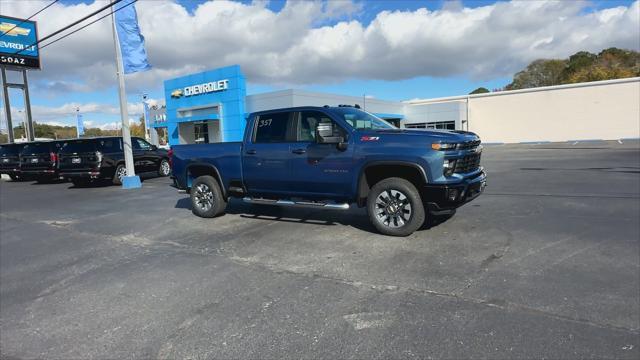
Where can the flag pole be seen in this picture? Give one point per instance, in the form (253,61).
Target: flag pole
(131,180)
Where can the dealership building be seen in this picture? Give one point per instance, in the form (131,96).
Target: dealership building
(213,106)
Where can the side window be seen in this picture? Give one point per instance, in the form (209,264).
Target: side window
(308,122)
(272,128)
(307,125)
(139,144)
(110,145)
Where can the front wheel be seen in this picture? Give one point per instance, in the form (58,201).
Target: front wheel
(206,198)
(164,169)
(14,177)
(395,207)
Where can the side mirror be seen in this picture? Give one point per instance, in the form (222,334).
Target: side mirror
(154,148)
(324,134)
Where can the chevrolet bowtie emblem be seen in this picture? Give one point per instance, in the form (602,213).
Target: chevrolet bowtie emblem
(176,93)
(13,30)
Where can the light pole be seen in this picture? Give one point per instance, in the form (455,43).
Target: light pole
(24,123)
(147,133)
(78,122)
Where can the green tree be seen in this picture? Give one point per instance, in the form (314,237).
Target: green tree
(137,129)
(480,90)
(541,72)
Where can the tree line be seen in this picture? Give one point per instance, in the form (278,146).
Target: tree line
(70,132)
(583,66)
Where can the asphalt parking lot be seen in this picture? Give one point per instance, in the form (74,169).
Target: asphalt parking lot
(545,264)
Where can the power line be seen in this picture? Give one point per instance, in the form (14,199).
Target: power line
(84,26)
(69,26)
(29,18)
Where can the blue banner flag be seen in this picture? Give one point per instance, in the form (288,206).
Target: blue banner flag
(79,124)
(134,56)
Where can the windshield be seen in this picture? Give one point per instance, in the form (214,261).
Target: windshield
(362,120)
(78,146)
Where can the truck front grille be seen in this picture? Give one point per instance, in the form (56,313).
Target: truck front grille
(468,144)
(468,163)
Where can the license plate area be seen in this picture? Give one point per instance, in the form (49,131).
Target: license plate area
(34,161)
(76,160)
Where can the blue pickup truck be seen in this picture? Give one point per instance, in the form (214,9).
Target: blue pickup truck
(331,157)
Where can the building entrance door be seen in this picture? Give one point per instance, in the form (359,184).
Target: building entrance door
(201,132)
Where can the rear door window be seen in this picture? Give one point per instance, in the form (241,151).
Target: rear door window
(111,145)
(79,146)
(37,148)
(273,128)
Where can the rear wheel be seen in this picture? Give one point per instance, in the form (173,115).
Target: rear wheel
(164,169)
(395,207)
(14,177)
(206,197)
(121,172)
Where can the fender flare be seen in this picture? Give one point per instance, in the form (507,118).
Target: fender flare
(361,176)
(217,176)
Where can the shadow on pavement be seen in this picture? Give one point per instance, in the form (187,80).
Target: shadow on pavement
(354,217)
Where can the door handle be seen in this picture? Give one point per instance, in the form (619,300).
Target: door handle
(251,152)
(299,151)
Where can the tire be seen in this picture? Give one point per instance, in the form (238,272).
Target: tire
(120,172)
(164,169)
(14,177)
(43,180)
(395,207)
(80,182)
(206,197)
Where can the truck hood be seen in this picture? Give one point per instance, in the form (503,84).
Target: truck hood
(433,135)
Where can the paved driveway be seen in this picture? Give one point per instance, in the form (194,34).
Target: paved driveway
(544,264)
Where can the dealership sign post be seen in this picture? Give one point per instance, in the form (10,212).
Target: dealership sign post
(18,52)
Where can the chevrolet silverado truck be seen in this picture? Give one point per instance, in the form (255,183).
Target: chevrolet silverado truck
(331,157)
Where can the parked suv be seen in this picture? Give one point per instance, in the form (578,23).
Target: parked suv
(10,160)
(89,159)
(39,160)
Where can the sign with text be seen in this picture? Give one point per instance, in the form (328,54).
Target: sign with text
(17,39)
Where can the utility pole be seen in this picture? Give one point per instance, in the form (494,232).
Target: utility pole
(131,180)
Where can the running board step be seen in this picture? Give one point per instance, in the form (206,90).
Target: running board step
(306,204)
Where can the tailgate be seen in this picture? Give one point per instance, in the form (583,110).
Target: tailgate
(78,161)
(34,162)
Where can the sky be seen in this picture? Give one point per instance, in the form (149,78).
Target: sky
(394,50)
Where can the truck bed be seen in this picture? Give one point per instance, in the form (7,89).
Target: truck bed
(225,157)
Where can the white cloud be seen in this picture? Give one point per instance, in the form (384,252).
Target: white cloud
(55,123)
(69,110)
(293,46)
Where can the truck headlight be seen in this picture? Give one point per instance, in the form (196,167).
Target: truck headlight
(444,146)
(449,166)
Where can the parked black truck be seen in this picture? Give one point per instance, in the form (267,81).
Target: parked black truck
(10,160)
(39,160)
(89,159)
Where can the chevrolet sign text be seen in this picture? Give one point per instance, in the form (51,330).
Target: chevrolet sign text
(205,88)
